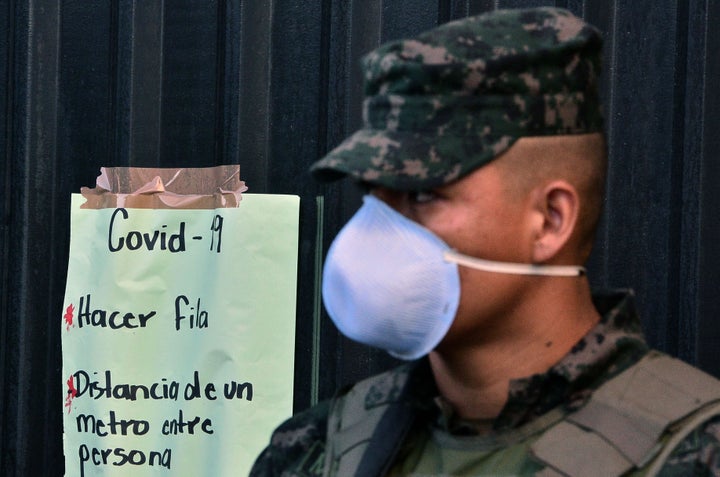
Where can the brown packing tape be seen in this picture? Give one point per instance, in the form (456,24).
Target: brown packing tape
(161,188)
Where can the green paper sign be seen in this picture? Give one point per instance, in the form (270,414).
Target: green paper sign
(178,332)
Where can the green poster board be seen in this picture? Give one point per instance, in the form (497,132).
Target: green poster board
(178,337)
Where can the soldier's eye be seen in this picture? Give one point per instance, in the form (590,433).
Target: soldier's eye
(422,196)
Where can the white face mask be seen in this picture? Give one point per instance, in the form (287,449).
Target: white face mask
(389,282)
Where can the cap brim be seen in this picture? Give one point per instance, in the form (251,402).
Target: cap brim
(405,160)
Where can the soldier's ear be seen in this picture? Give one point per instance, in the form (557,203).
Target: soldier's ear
(555,209)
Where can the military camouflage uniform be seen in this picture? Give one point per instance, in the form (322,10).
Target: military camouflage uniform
(297,446)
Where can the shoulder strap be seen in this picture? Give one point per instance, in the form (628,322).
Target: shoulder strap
(687,427)
(621,426)
(369,409)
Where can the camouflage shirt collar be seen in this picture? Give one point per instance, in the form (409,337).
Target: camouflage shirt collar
(613,345)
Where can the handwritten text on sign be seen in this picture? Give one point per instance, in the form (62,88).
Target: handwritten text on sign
(178,337)
(159,239)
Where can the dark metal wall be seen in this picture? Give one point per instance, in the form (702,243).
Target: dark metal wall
(272,85)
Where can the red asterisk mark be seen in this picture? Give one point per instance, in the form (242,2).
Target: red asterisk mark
(71,393)
(69,316)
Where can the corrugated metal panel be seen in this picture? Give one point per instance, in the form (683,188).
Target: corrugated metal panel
(272,85)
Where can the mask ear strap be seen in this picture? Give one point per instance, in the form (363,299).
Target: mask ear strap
(514,268)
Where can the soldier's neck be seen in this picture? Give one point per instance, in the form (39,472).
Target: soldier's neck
(475,378)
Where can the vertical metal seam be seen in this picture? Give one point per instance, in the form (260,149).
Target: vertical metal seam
(348,67)
(609,131)
(161,72)
(678,327)
(704,55)
(131,88)
(25,365)
(6,211)
(323,96)
(51,286)
(220,68)
(317,301)
(112,149)
(269,96)
(23,259)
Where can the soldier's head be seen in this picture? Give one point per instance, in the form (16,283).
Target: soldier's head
(457,97)
(487,132)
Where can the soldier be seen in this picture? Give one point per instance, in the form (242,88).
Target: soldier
(484,157)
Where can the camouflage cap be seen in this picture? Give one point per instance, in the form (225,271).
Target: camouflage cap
(450,100)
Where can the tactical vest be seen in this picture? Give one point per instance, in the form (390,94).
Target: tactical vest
(631,423)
